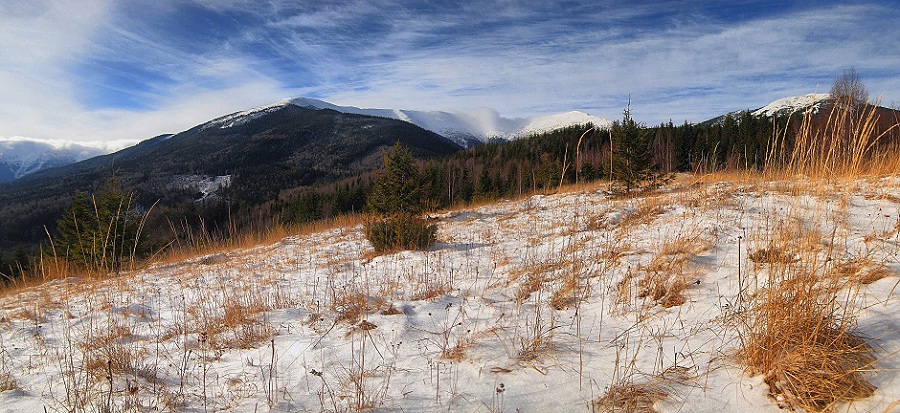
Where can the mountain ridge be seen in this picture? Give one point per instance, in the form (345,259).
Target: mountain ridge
(466,128)
(22,156)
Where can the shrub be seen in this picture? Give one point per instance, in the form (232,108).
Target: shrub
(400,231)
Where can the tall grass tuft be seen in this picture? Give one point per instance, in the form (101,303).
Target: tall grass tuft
(848,144)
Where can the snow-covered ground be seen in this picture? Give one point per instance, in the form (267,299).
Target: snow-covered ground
(534,305)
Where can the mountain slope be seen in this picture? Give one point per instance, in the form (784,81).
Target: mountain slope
(464,128)
(281,148)
(543,304)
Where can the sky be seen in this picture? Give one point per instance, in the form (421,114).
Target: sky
(120,71)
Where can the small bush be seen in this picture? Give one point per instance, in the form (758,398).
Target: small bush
(400,231)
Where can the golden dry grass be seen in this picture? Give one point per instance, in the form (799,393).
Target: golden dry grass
(800,337)
(800,328)
(630,398)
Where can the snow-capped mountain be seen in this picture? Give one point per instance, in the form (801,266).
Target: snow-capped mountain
(789,105)
(464,128)
(781,107)
(22,156)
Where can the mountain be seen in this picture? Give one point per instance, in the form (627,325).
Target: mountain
(465,128)
(790,105)
(246,158)
(22,156)
(781,108)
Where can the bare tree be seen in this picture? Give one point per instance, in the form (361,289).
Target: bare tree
(849,88)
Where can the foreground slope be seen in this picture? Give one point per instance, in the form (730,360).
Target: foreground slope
(540,304)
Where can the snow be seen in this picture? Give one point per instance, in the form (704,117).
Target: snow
(480,124)
(791,104)
(239,118)
(21,156)
(206,185)
(455,328)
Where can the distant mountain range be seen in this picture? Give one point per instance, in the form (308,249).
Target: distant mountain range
(23,156)
(464,128)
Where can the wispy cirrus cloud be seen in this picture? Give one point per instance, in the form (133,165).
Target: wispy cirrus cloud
(113,71)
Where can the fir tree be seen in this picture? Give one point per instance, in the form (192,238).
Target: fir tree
(633,166)
(100,232)
(396,201)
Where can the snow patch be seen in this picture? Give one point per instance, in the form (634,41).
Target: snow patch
(206,185)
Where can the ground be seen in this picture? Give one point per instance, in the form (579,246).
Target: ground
(577,301)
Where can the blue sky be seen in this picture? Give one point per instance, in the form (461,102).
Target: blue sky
(103,70)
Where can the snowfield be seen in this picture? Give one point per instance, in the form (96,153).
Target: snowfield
(534,305)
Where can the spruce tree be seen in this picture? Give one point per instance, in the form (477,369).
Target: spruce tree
(100,232)
(396,202)
(397,188)
(632,165)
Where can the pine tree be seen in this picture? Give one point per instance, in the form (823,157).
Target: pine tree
(633,166)
(396,201)
(100,232)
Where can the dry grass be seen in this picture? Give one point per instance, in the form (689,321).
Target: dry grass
(630,398)
(861,271)
(665,279)
(531,283)
(799,331)
(847,145)
(457,352)
(350,307)
(645,211)
(570,293)
(269,236)
(773,255)
(7,382)
(800,338)
(665,289)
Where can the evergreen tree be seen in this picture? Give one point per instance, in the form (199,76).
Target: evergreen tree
(307,208)
(100,232)
(396,201)
(633,166)
(397,188)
